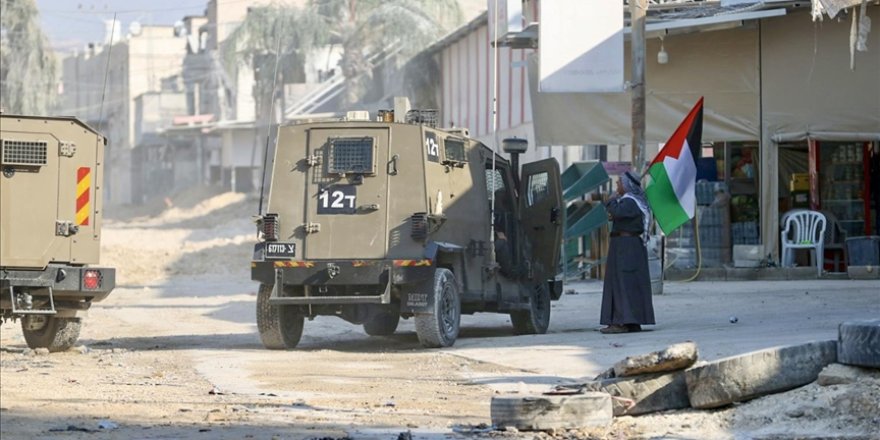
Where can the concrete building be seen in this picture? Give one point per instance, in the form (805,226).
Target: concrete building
(465,62)
(222,119)
(134,66)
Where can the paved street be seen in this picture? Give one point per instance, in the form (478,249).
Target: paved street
(156,352)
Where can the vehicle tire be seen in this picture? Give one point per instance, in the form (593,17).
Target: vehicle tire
(439,328)
(382,324)
(535,320)
(858,343)
(53,333)
(280,327)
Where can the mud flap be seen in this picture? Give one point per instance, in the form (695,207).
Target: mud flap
(555,289)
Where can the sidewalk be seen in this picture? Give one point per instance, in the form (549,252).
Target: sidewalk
(769,313)
(754,274)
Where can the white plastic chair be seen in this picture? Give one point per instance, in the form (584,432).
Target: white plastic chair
(804,229)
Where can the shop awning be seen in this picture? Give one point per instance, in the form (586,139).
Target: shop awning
(721,67)
(704,24)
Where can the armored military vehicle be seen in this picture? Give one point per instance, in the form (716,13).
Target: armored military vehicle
(375,220)
(50,226)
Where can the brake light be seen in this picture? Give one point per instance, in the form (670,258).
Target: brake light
(269,227)
(91,279)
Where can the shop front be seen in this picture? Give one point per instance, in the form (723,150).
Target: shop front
(791,121)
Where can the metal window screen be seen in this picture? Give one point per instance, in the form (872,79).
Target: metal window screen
(24,152)
(455,150)
(494,181)
(538,189)
(351,155)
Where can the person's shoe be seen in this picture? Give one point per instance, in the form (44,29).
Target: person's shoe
(614,328)
(634,327)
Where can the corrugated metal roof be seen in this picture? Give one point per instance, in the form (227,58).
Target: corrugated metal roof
(662,14)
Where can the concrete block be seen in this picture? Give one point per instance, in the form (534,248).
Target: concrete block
(544,413)
(751,375)
(840,374)
(674,357)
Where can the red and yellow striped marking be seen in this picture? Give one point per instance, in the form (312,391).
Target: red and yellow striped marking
(412,263)
(83,191)
(294,264)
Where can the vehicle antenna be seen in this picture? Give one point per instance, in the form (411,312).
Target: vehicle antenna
(106,72)
(495,134)
(269,123)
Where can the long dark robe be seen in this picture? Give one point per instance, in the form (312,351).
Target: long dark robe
(626,294)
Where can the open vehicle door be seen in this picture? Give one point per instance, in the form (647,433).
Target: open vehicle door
(541,208)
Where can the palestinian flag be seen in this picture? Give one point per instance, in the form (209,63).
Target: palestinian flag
(674,173)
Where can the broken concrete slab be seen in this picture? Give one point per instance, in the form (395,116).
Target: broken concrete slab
(744,377)
(839,374)
(672,358)
(607,374)
(543,413)
(644,394)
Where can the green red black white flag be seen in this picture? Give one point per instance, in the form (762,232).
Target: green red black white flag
(672,190)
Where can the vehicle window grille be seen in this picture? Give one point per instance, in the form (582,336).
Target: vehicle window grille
(538,189)
(455,150)
(351,155)
(494,181)
(24,152)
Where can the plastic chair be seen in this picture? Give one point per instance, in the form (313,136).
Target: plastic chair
(835,239)
(804,229)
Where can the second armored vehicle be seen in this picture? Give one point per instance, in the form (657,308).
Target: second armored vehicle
(374,221)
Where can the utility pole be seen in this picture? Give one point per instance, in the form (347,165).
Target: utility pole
(637,12)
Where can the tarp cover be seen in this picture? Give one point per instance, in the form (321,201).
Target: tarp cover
(808,85)
(720,65)
(807,88)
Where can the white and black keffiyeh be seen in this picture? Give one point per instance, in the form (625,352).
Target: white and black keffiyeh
(634,191)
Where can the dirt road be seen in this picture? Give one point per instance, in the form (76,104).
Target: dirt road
(173,353)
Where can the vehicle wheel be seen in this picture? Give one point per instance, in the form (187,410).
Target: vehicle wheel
(382,324)
(439,328)
(56,334)
(535,320)
(858,343)
(280,327)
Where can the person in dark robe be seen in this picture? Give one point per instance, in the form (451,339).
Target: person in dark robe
(626,294)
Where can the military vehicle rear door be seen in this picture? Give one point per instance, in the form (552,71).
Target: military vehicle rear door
(541,208)
(347,193)
(29,198)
